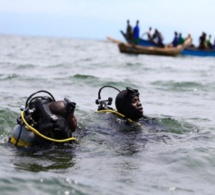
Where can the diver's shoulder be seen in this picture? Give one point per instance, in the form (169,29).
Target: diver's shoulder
(148,120)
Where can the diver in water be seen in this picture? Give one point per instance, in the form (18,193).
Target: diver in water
(128,103)
(128,106)
(128,117)
(45,122)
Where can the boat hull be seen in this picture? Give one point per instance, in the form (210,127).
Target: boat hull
(198,52)
(149,50)
(136,49)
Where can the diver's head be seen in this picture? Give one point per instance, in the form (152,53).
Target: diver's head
(65,109)
(128,103)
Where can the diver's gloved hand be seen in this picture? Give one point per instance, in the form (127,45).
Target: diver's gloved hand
(69,106)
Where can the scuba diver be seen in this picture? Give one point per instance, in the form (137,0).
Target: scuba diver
(44,122)
(128,106)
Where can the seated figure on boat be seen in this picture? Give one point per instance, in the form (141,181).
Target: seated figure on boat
(180,39)
(158,38)
(149,34)
(189,37)
(177,40)
(44,122)
(208,43)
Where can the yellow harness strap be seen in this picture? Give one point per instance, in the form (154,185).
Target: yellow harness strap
(120,114)
(43,136)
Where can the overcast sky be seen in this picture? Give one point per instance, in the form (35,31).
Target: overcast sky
(97,19)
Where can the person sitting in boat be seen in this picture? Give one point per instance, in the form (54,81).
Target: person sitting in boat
(45,122)
(149,34)
(180,39)
(208,43)
(190,44)
(129,31)
(158,38)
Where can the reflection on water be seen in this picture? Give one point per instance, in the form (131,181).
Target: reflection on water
(36,160)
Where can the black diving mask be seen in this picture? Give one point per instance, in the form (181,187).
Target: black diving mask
(69,106)
(132,92)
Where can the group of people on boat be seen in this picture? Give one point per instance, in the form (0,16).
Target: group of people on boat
(44,122)
(155,37)
(133,35)
(205,42)
(177,40)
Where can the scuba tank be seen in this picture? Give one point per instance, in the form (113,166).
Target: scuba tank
(21,136)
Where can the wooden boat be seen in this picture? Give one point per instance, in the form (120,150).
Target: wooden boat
(191,51)
(149,50)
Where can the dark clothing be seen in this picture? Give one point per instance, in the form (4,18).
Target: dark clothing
(129,32)
(175,41)
(158,39)
(202,40)
(112,121)
(46,121)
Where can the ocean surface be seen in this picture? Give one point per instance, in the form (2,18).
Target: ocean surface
(176,91)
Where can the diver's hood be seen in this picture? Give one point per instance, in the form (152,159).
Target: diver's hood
(123,103)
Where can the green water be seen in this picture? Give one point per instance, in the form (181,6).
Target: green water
(178,92)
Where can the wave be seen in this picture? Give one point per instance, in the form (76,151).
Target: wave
(179,86)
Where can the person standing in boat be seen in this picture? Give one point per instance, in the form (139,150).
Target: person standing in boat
(129,31)
(136,32)
(175,40)
(202,41)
